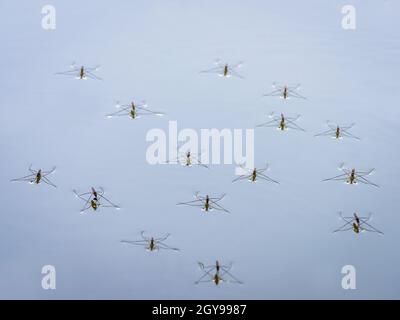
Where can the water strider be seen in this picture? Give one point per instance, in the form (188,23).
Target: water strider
(217,274)
(151,243)
(338,132)
(188,159)
(353,177)
(94,199)
(357,224)
(282,123)
(225,70)
(37,176)
(253,175)
(81,73)
(133,111)
(206,203)
(285,92)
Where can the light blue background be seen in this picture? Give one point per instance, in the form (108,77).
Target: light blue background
(279,237)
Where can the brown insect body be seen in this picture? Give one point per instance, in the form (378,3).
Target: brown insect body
(285,92)
(133,112)
(352,177)
(282,124)
(152,244)
(226,70)
(82,74)
(337,133)
(356,224)
(188,159)
(38,177)
(207,204)
(254,175)
(94,203)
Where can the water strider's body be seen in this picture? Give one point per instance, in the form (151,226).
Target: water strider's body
(217,279)
(285,93)
(282,124)
(152,243)
(38,177)
(357,224)
(82,73)
(225,70)
(352,177)
(254,175)
(337,132)
(207,204)
(188,159)
(133,112)
(94,202)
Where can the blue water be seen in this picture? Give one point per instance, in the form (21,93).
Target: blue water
(279,237)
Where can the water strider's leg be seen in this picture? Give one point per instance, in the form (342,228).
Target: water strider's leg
(47,181)
(265,177)
(241,178)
